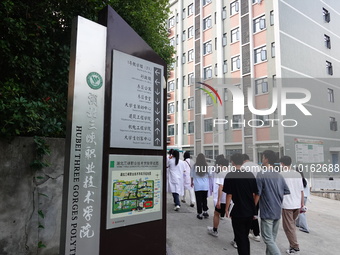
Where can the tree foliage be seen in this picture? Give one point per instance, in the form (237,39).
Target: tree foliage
(35,47)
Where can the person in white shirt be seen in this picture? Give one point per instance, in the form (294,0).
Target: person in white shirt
(175,178)
(187,165)
(291,203)
(218,195)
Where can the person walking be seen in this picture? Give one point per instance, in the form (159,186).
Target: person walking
(240,186)
(187,180)
(253,168)
(200,181)
(218,195)
(175,178)
(272,188)
(301,221)
(292,203)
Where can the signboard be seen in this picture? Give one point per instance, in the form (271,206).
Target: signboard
(136,118)
(309,151)
(135,190)
(81,212)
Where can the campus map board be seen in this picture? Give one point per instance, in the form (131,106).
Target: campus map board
(309,151)
(135,190)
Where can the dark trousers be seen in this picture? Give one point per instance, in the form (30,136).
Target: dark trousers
(241,227)
(176,199)
(255,223)
(201,200)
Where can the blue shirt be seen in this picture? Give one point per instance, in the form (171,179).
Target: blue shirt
(272,187)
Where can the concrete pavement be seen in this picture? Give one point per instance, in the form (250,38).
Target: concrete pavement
(188,235)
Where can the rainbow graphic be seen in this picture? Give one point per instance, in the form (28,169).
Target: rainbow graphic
(210,93)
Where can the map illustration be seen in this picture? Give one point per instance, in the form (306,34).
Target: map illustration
(135,195)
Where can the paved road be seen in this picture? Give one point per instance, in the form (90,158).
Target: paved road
(187,235)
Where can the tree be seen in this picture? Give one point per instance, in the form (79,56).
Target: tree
(35,47)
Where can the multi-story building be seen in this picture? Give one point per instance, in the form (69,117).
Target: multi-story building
(276,49)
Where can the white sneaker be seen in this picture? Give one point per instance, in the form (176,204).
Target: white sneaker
(222,218)
(177,207)
(233,243)
(254,237)
(212,232)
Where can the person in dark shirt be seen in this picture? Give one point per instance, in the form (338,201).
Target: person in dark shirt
(240,186)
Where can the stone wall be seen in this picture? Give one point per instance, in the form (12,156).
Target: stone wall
(332,194)
(30,199)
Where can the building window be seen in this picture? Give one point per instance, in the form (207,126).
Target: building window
(183,58)
(234,8)
(262,120)
(171,130)
(190,103)
(235,63)
(224,39)
(191,127)
(273,49)
(329,67)
(261,86)
(272,18)
(207,73)
(259,24)
(209,100)
(208,125)
(190,9)
(190,78)
(237,121)
(205,2)
(176,106)
(184,104)
(171,108)
(183,13)
(177,39)
(225,94)
(190,55)
(184,128)
(207,48)
(171,22)
(326,15)
(172,41)
(224,13)
(235,35)
(183,81)
(333,124)
(260,54)
(183,35)
(327,41)
(190,32)
(225,66)
(226,126)
(330,95)
(171,86)
(207,23)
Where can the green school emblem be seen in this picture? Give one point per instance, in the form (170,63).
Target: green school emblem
(94,80)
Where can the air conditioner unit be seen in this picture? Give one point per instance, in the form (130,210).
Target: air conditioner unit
(168,140)
(168,118)
(168,96)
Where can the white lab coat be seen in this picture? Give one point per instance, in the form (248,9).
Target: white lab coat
(175,177)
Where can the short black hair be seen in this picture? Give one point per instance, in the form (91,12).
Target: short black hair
(237,158)
(271,156)
(186,155)
(219,158)
(223,162)
(286,160)
(245,157)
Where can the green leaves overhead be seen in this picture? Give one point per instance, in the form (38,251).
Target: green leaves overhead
(35,40)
